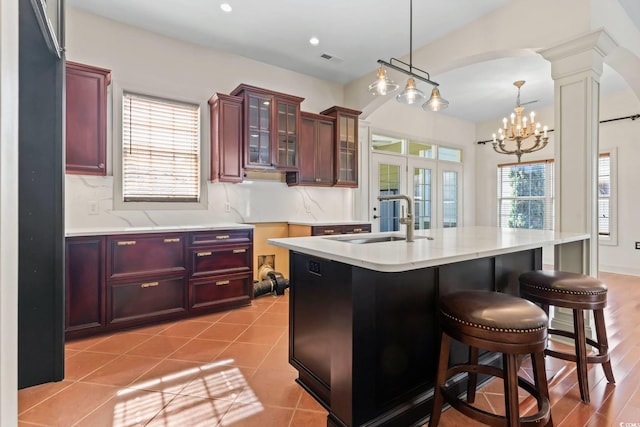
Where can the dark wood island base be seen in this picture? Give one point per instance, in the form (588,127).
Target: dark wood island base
(365,342)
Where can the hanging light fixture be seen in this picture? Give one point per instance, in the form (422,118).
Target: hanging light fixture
(411,95)
(519,131)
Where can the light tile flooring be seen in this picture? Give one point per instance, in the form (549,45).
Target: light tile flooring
(231,369)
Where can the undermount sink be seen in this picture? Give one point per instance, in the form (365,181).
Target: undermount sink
(372,239)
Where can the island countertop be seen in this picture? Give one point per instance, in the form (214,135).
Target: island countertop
(430,248)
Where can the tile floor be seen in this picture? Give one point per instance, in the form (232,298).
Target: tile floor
(231,369)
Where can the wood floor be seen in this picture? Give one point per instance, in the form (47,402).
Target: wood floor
(230,369)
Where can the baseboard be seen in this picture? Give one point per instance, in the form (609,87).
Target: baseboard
(619,270)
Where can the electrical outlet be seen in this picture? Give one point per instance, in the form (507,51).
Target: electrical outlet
(94,208)
(227,207)
(637,245)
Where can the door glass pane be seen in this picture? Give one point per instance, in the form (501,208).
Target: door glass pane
(450,154)
(422,198)
(421,149)
(389,176)
(449,199)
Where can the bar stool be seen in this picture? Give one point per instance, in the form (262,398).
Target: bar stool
(577,292)
(501,323)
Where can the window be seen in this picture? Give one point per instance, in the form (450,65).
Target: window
(160,150)
(604,194)
(525,193)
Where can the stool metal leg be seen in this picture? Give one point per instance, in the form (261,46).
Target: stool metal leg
(581,354)
(511,402)
(443,364)
(603,344)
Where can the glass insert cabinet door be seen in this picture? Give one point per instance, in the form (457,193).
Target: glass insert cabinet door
(348,155)
(259,132)
(286,155)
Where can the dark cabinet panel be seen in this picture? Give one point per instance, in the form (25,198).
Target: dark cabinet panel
(86,119)
(220,260)
(271,122)
(357,228)
(346,145)
(221,237)
(145,254)
(220,291)
(135,300)
(85,279)
(226,138)
(316,151)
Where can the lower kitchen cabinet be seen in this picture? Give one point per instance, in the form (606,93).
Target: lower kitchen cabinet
(85,280)
(113,282)
(220,291)
(299,230)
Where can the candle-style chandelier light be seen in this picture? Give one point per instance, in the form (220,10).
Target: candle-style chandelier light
(512,137)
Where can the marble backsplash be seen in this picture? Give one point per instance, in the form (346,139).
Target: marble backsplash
(89,205)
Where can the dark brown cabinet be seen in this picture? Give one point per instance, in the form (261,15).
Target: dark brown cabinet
(346,146)
(86,119)
(297,230)
(226,138)
(316,151)
(271,122)
(85,284)
(118,281)
(220,269)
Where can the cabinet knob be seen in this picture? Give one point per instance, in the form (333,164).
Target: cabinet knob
(239,251)
(208,253)
(100,165)
(173,240)
(126,242)
(222,237)
(357,230)
(329,231)
(222,282)
(318,180)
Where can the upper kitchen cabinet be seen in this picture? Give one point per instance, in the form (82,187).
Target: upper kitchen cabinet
(316,151)
(271,123)
(346,147)
(226,138)
(86,119)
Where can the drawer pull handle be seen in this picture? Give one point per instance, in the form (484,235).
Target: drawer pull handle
(204,253)
(126,242)
(150,285)
(173,240)
(222,282)
(329,231)
(222,237)
(239,251)
(318,180)
(357,230)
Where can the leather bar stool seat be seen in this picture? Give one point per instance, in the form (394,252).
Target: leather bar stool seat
(500,323)
(577,292)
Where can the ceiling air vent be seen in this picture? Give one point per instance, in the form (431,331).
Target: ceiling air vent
(330,57)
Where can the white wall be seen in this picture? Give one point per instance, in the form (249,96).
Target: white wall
(620,258)
(8,212)
(153,64)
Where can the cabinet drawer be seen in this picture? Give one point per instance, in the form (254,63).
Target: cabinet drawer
(145,254)
(142,299)
(221,237)
(221,290)
(219,260)
(326,230)
(357,228)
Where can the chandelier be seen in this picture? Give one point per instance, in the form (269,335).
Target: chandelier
(518,131)
(411,95)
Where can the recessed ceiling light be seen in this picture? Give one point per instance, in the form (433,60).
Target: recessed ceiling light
(226,7)
(314,41)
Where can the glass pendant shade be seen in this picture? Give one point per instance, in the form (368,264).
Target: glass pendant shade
(435,102)
(411,94)
(383,84)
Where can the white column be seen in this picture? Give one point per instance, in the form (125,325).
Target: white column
(576,67)
(9,212)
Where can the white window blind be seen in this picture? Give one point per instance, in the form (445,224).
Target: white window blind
(604,194)
(525,195)
(161,150)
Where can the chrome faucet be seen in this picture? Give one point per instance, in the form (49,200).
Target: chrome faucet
(405,220)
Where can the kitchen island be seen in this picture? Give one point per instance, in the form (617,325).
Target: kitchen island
(363,324)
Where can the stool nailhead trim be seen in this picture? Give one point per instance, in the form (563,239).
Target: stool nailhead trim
(490,328)
(563,291)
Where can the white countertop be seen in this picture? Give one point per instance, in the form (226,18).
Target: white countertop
(101,231)
(447,245)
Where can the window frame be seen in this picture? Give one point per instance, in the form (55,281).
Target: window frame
(118,197)
(612,238)
(549,197)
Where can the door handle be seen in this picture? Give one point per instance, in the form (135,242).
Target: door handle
(376,217)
